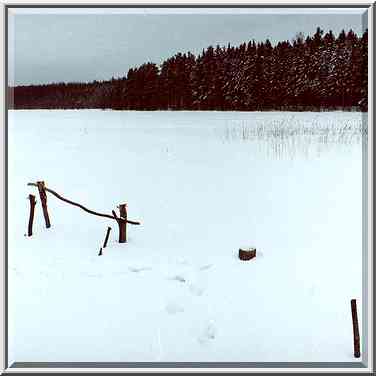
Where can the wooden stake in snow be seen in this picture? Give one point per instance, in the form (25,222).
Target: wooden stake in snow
(106,238)
(123,210)
(354,314)
(43,198)
(100,252)
(124,215)
(122,222)
(247,253)
(31,218)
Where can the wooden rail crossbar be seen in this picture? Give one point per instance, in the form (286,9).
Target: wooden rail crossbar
(122,220)
(81,206)
(73,203)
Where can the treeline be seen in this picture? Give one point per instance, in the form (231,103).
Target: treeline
(319,72)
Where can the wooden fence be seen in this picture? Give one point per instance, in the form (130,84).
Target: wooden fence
(121,219)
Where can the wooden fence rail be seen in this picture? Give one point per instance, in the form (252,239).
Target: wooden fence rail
(121,220)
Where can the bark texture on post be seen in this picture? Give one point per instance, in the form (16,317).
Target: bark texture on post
(122,223)
(123,210)
(31,217)
(43,200)
(124,215)
(354,314)
(122,230)
(247,253)
(106,239)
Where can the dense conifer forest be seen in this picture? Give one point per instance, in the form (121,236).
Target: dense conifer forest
(317,72)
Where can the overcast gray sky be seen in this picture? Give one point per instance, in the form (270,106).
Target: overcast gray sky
(84,45)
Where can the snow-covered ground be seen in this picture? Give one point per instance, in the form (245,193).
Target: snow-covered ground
(202,184)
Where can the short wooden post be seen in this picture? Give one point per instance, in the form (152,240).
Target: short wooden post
(122,223)
(106,238)
(124,215)
(31,217)
(122,230)
(123,210)
(43,199)
(354,314)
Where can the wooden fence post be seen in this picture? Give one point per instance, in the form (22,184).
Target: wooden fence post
(354,314)
(43,199)
(124,215)
(123,210)
(122,223)
(31,217)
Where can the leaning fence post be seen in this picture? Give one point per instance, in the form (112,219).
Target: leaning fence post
(31,217)
(107,235)
(43,199)
(354,314)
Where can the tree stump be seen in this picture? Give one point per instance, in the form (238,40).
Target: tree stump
(43,200)
(247,253)
(31,217)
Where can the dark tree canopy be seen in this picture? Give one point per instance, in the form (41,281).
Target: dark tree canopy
(318,72)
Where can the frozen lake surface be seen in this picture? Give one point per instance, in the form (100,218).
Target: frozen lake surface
(203,184)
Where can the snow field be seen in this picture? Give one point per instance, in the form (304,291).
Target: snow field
(177,291)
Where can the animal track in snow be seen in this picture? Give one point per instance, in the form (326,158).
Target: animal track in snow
(182,261)
(209,333)
(178,278)
(173,308)
(138,270)
(196,290)
(94,275)
(206,267)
